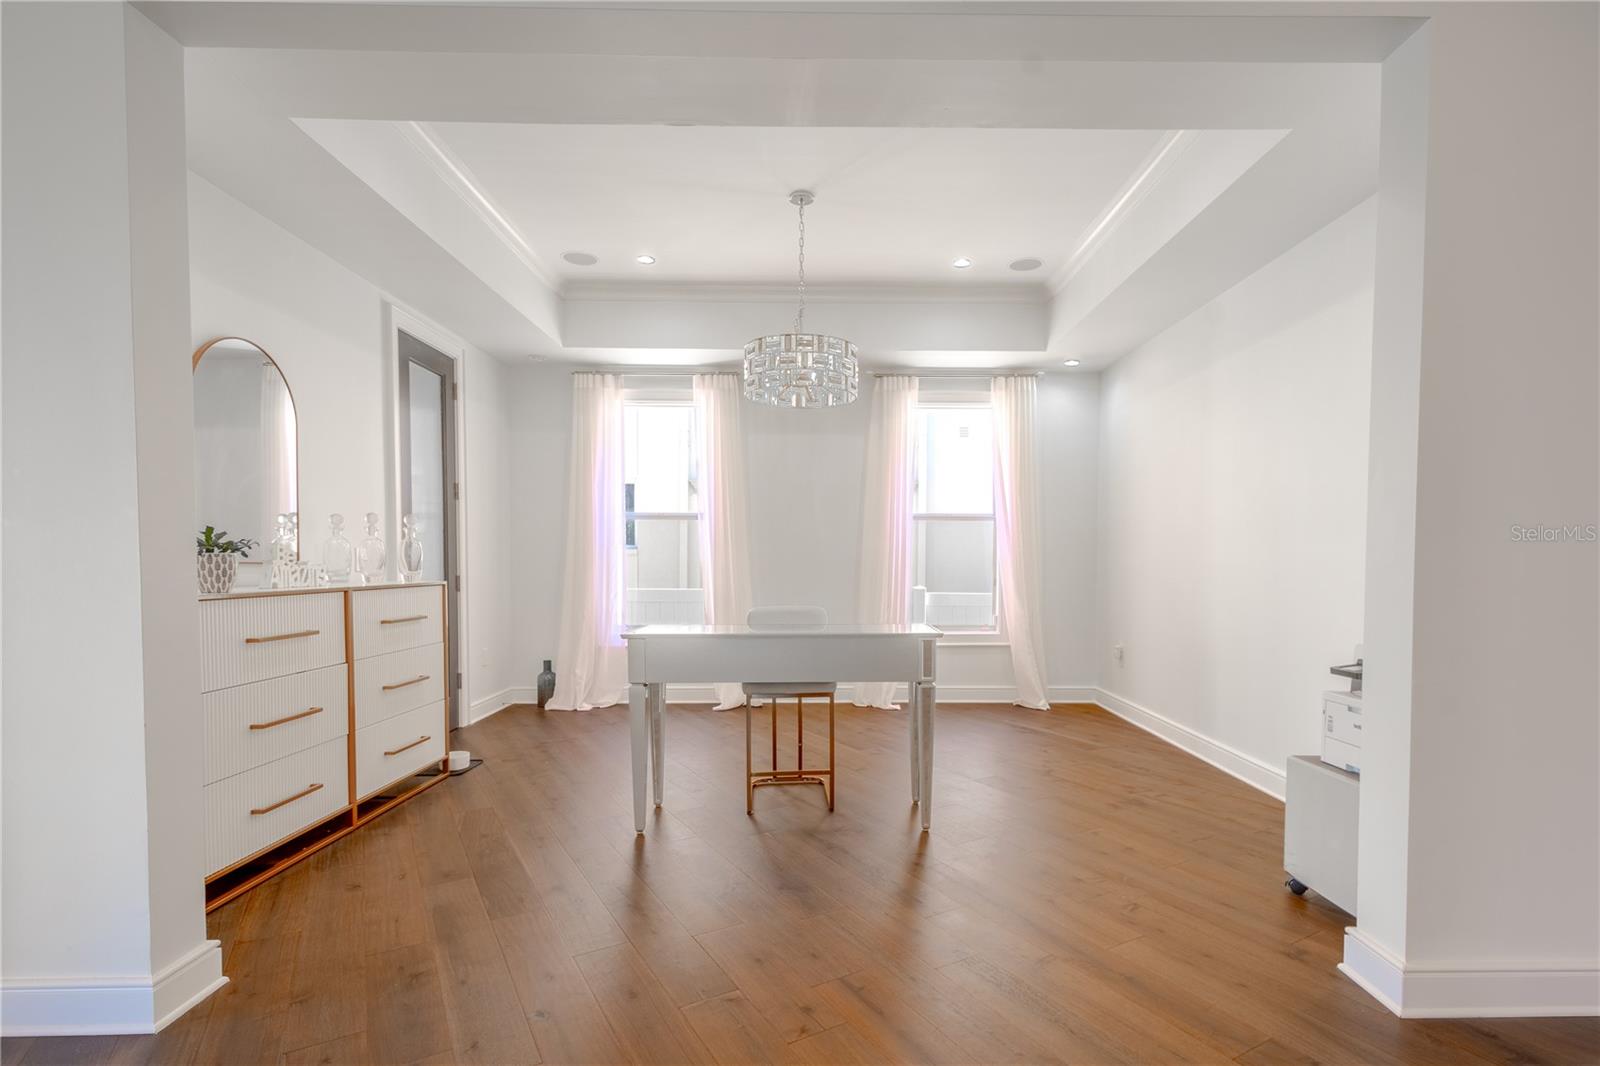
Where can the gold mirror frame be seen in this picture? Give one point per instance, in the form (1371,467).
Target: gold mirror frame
(194,365)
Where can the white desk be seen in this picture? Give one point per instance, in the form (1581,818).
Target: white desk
(661,655)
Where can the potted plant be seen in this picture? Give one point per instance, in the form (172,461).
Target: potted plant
(217,559)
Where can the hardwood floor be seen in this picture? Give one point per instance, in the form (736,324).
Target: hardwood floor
(1088,895)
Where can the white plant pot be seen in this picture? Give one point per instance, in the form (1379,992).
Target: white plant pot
(216,572)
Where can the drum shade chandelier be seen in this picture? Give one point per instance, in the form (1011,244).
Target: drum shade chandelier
(800,369)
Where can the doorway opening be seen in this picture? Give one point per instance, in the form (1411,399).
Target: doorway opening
(430,481)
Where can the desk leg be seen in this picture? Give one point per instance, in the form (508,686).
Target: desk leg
(925,743)
(913,716)
(639,728)
(656,699)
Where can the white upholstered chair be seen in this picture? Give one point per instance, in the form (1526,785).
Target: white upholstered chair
(799,691)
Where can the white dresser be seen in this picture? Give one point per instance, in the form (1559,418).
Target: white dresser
(319,707)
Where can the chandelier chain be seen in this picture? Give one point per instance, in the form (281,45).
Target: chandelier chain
(800,313)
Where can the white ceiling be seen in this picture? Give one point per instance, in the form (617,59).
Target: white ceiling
(451,154)
(894,206)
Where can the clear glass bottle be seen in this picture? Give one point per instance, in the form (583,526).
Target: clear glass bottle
(280,555)
(338,557)
(372,556)
(410,548)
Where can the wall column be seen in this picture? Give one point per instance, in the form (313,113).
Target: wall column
(103,912)
(1480,808)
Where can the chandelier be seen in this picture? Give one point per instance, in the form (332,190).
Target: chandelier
(800,369)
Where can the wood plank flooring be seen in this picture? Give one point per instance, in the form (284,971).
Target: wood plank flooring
(1088,895)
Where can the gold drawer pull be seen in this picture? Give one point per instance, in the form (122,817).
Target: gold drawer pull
(397,621)
(408,747)
(286,718)
(419,679)
(303,792)
(282,636)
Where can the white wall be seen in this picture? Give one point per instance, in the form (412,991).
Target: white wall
(1233,479)
(491,670)
(322,325)
(103,909)
(326,328)
(805,473)
(540,433)
(1479,868)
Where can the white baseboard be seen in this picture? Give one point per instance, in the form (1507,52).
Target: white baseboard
(1230,761)
(88,1006)
(1525,990)
(499,701)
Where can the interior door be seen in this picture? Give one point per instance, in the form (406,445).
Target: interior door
(429,481)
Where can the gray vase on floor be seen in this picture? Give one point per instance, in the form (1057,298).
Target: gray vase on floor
(547,684)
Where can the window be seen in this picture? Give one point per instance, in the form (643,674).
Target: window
(661,502)
(953,557)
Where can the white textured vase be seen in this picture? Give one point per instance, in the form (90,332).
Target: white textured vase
(216,571)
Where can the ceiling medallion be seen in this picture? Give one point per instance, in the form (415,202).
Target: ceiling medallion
(800,369)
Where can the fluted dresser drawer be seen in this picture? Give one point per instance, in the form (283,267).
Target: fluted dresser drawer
(249,725)
(253,638)
(389,620)
(387,685)
(251,811)
(395,747)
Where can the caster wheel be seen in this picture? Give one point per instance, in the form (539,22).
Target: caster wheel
(1297,887)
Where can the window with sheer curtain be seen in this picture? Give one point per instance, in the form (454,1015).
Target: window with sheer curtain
(661,502)
(953,546)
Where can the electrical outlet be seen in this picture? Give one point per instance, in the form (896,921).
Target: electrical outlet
(1116,652)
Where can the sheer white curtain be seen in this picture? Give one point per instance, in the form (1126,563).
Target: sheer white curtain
(886,515)
(1016,531)
(724,528)
(591,662)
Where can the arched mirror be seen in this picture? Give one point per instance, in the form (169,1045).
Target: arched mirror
(246,448)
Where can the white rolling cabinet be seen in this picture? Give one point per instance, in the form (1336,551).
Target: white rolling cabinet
(1322,807)
(317,706)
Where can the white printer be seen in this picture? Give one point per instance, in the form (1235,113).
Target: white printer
(1341,720)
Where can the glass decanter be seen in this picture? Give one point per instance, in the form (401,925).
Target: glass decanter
(372,556)
(338,557)
(410,548)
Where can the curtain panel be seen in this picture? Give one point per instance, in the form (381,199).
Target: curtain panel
(724,528)
(1016,527)
(591,660)
(886,529)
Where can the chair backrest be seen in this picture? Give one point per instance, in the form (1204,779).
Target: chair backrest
(787,616)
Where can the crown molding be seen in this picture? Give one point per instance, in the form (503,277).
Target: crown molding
(461,181)
(1149,173)
(721,292)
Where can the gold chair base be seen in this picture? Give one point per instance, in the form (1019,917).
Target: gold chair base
(755,779)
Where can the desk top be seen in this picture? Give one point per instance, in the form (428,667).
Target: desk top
(829,630)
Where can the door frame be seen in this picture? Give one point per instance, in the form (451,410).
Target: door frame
(400,319)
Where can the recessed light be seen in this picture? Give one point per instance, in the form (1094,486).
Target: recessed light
(1027,264)
(581,259)
(644,260)
(962,263)
(1071,362)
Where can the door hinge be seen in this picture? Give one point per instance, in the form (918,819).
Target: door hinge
(458,679)
(455,391)
(458,582)
(455,486)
